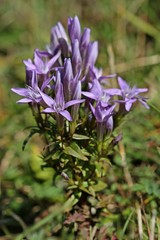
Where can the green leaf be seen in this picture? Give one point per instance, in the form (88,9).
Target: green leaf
(72,187)
(92,191)
(72,200)
(105,161)
(75,151)
(126,223)
(56,155)
(79,137)
(89,191)
(99,186)
(137,187)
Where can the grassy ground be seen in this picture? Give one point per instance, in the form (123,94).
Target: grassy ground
(129,37)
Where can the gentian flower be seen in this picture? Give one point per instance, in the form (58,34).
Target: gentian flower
(102,114)
(74,28)
(41,64)
(104,118)
(91,54)
(31,93)
(96,92)
(69,80)
(76,57)
(85,39)
(76,96)
(59,39)
(131,95)
(58,104)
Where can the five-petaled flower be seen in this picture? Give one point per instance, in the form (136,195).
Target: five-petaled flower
(31,93)
(127,95)
(131,95)
(42,63)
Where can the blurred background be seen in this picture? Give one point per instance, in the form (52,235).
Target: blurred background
(128,33)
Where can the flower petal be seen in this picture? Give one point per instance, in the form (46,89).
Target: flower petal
(53,60)
(29,65)
(66,114)
(24,100)
(144,103)
(74,28)
(123,85)
(73,102)
(47,99)
(113,91)
(20,91)
(48,110)
(92,53)
(89,95)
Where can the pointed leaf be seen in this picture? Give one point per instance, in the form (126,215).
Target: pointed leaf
(79,137)
(75,151)
(99,186)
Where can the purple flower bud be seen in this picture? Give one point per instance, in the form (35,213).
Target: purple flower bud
(104,118)
(58,104)
(65,176)
(57,33)
(91,55)
(76,57)
(76,96)
(85,39)
(74,28)
(67,79)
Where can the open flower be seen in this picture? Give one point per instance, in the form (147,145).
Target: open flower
(128,94)
(58,104)
(31,93)
(131,95)
(41,64)
(96,92)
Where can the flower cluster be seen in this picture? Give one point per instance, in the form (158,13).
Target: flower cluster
(63,83)
(77,113)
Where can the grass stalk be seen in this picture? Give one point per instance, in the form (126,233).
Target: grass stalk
(124,165)
(137,63)
(139,23)
(126,224)
(153,222)
(139,219)
(40,224)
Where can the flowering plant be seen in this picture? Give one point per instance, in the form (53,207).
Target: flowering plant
(78,113)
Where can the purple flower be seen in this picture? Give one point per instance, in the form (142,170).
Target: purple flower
(76,96)
(76,57)
(104,118)
(69,80)
(31,93)
(91,54)
(41,64)
(96,92)
(58,38)
(101,113)
(58,104)
(131,95)
(74,28)
(85,39)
